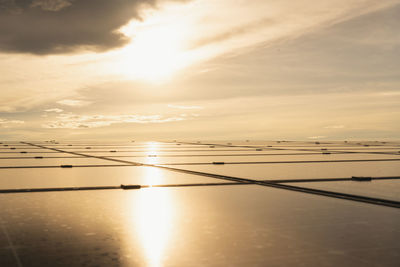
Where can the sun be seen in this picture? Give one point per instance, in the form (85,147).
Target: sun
(160,46)
(155,52)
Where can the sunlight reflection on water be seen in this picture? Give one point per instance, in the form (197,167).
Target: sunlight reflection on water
(154,216)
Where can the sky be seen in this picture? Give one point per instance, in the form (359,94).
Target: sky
(200,69)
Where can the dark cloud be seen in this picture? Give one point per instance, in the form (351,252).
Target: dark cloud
(51,5)
(62,26)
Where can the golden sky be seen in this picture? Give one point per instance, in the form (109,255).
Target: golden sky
(200,69)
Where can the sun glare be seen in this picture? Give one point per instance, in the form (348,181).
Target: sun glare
(155,52)
(154,223)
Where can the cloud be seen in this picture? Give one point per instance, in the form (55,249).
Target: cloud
(73,121)
(184,107)
(234,32)
(334,127)
(5,123)
(74,102)
(61,26)
(57,110)
(51,5)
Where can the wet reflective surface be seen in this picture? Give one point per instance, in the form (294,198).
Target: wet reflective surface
(387,189)
(198,225)
(54,161)
(95,176)
(205,226)
(300,171)
(160,159)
